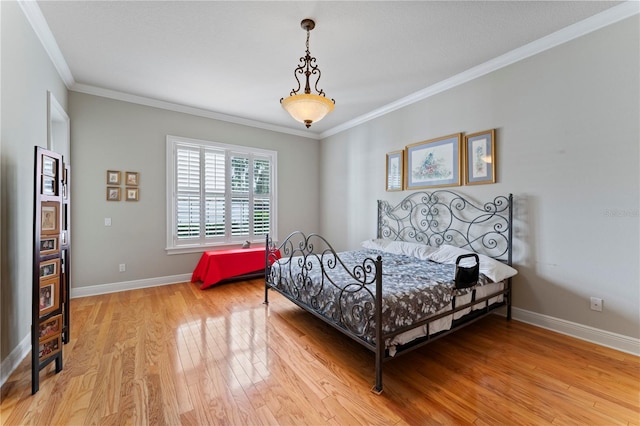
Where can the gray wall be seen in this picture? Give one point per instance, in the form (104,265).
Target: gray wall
(109,134)
(27,75)
(567,125)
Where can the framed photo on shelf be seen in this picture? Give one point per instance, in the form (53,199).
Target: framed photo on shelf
(480,157)
(49,217)
(113,193)
(48,185)
(132,194)
(394,169)
(434,163)
(113,177)
(49,166)
(48,245)
(49,269)
(49,300)
(132,178)
(49,347)
(50,327)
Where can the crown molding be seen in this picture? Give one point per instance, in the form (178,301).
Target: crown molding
(586,26)
(48,41)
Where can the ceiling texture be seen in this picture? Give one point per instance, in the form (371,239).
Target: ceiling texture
(234,60)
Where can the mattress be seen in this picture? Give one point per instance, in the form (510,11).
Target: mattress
(413,290)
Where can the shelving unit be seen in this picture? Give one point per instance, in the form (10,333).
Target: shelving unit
(51,256)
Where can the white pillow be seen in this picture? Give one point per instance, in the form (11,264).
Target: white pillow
(376,244)
(491,268)
(419,250)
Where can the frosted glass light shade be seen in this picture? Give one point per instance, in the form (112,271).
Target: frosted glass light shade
(307,108)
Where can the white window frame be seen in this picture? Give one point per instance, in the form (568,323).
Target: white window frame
(173,245)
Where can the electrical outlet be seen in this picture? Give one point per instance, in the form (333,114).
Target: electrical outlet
(122,267)
(107,221)
(596,304)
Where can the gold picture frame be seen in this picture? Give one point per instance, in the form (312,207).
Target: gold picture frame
(434,163)
(132,178)
(480,158)
(113,193)
(395,168)
(113,177)
(132,194)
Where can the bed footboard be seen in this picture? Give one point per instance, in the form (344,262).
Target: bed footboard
(311,274)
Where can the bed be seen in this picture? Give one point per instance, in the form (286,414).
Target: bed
(398,292)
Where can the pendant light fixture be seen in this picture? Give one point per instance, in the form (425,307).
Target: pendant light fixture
(307,107)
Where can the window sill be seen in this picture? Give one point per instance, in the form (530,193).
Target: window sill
(201,249)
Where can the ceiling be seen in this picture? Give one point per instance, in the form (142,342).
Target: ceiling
(235,59)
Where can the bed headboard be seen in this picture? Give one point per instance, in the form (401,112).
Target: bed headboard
(445,217)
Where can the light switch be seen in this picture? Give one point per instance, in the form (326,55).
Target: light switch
(107,221)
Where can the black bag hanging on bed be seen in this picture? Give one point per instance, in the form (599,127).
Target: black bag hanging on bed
(467,276)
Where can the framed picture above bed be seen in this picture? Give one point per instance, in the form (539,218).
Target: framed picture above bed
(480,157)
(434,163)
(395,179)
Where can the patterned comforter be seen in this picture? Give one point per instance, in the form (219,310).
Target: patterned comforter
(413,289)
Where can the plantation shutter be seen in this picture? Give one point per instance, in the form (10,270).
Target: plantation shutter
(215,182)
(262,196)
(240,195)
(188,193)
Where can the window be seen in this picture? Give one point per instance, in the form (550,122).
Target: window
(218,194)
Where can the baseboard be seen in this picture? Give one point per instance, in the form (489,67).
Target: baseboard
(95,290)
(14,359)
(616,341)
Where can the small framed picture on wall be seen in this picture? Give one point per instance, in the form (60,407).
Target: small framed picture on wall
(132,178)
(113,177)
(395,179)
(480,157)
(132,194)
(113,193)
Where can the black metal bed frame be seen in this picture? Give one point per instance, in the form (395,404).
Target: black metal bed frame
(433,218)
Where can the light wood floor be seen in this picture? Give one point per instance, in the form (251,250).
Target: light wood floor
(179,355)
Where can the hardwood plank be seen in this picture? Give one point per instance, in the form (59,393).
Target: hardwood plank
(179,355)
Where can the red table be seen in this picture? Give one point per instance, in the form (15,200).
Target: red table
(217,265)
